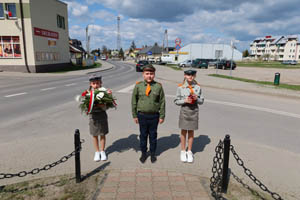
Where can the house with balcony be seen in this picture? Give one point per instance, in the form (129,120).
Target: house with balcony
(276,48)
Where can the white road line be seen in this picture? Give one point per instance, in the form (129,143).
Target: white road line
(45,89)
(127,89)
(13,95)
(71,84)
(278,112)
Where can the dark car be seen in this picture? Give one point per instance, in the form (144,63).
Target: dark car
(139,66)
(225,64)
(199,63)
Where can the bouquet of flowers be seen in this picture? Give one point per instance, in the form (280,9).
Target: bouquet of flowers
(93,98)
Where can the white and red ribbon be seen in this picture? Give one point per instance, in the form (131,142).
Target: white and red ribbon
(91,102)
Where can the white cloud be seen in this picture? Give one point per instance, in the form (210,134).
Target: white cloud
(77,9)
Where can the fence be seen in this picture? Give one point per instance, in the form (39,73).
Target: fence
(221,173)
(76,153)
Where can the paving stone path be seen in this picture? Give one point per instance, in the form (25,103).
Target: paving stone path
(151,184)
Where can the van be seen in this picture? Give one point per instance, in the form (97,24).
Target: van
(166,59)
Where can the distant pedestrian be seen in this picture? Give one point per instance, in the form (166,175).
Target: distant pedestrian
(98,122)
(148,110)
(188,96)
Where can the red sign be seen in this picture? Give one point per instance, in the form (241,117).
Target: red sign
(268,36)
(178,41)
(45,33)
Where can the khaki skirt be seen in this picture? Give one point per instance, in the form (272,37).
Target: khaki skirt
(189,117)
(98,123)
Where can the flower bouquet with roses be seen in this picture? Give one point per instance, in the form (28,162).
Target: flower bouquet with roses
(100,98)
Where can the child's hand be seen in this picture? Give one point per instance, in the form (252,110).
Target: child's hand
(109,91)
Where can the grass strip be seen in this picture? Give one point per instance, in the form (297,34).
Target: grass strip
(174,66)
(282,85)
(276,65)
(78,67)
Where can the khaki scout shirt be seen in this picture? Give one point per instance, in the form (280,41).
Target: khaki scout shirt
(155,102)
(183,91)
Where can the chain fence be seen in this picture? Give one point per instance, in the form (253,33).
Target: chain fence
(217,170)
(216,185)
(45,168)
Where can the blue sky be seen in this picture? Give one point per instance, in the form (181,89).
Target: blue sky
(194,21)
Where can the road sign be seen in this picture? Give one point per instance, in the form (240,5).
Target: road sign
(177,41)
(149,53)
(177,47)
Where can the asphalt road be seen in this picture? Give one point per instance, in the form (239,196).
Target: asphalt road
(20,97)
(39,116)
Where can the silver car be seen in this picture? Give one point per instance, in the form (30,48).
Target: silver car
(186,63)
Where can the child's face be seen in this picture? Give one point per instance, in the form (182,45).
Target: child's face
(189,78)
(95,84)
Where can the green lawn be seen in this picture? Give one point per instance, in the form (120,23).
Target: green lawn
(266,64)
(174,66)
(282,85)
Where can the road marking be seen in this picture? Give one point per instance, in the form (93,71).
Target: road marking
(45,89)
(278,112)
(71,84)
(127,89)
(13,95)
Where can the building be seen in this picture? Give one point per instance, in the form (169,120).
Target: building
(205,51)
(34,35)
(151,53)
(276,48)
(77,52)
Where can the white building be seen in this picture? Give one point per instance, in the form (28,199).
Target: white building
(34,35)
(205,51)
(276,48)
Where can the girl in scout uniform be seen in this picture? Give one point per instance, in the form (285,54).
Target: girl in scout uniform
(188,96)
(98,123)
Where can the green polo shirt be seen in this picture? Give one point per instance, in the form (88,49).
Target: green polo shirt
(155,102)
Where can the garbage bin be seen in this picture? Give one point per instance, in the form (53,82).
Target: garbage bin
(277,78)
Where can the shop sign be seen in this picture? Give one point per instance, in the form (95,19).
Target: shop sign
(45,33)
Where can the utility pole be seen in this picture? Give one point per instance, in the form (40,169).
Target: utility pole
(87,39)
(118,35)
(232,49)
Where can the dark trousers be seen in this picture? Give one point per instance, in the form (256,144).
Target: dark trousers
(148,127)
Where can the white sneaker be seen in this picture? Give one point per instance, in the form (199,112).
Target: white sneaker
(97,156)
(190,157)
(183,156)
(103,155)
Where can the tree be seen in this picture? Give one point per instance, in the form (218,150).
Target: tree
(121,53)
(104,50)
(245,53)
(132,47)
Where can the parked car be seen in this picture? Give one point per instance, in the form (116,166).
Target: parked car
(103,57)
(139,66)
(186,63)
(199,63)
(289,62)
(225,64)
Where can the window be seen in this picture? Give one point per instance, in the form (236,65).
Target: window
(11,11)
(1,11)
(60,22)
(10,47)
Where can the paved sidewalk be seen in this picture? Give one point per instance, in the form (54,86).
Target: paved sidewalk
(151,184)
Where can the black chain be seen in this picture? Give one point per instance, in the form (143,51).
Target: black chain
(45,168)
(252,177)
(246,186)
(217,170)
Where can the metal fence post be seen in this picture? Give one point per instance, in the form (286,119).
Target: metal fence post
(225,176)
(77,155)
